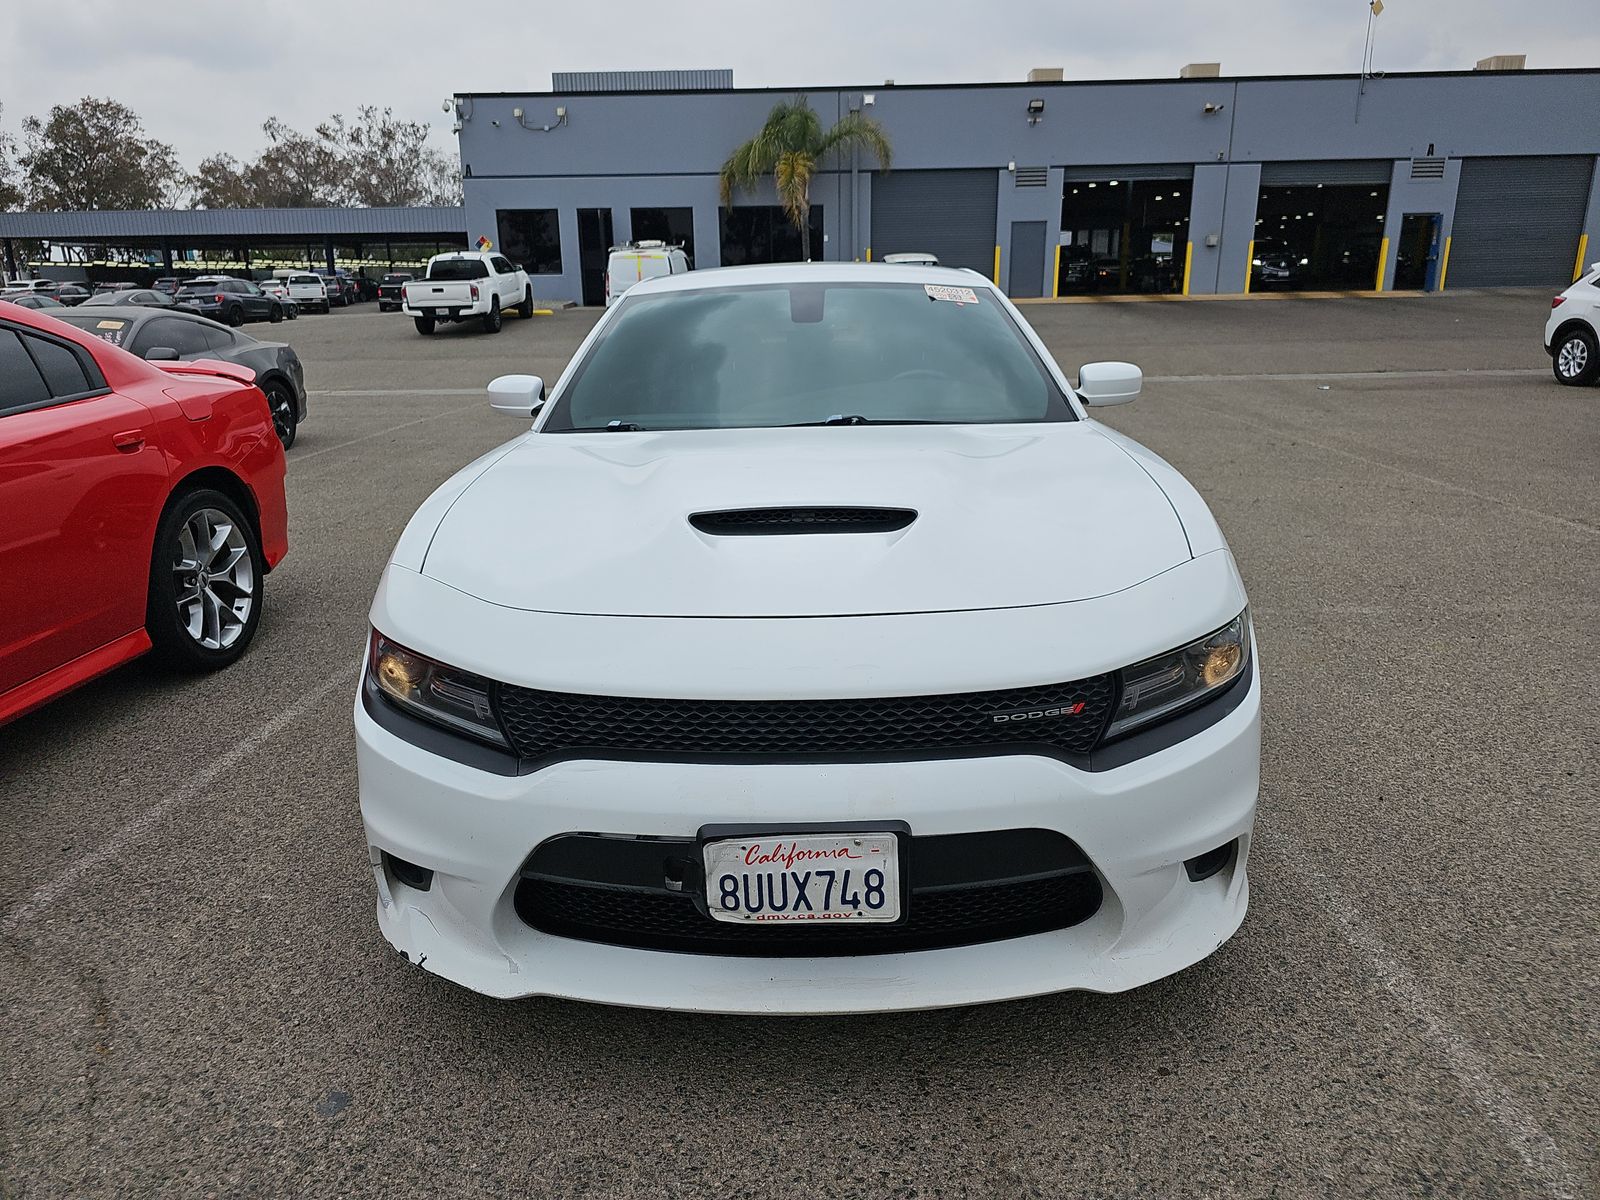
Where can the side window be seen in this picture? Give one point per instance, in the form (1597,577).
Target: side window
(217,338)
(501,265)
(186,337)
(21,385)
(62,369)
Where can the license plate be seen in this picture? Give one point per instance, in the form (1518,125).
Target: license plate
(844,877)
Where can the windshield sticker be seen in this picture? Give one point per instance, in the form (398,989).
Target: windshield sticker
(956,295)
(109,324)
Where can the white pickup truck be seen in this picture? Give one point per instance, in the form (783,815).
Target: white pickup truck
(467,284)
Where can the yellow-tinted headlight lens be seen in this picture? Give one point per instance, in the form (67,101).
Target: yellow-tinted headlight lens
(399,673)
(1221,664)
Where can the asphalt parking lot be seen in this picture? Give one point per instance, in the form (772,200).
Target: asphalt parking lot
(196,999)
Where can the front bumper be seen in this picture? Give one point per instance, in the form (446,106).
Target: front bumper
(1137,824)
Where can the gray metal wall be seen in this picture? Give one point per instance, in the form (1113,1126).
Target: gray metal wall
(636,149)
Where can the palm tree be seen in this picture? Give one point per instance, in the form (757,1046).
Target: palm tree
(789,148)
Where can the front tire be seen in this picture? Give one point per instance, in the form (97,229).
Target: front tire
(525,309)
(280,400)
(424,325)
(1575,358)
(492,319)
(205,582)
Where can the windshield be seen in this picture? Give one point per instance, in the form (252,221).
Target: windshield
(728,358)
(458,268)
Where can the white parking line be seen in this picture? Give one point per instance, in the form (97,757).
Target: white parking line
(367,437)
(1302,440)
(1537,1149)
(1289,376)
(402,392)
(46,894)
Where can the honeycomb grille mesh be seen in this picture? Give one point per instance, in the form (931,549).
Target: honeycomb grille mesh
(934,920)
(1067,718)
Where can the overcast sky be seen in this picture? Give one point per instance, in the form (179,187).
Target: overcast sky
(204,74)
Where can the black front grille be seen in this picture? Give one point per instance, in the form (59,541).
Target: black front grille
(963,889)
(1064,718)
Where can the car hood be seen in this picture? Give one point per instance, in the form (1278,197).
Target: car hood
(1006,516)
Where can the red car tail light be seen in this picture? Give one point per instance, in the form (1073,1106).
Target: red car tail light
(1558,302)
(474,291)
(220,297)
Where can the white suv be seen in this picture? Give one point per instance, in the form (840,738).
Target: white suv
(308,291)
(1572,334)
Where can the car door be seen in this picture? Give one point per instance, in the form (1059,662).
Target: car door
(81,481)
(506,285)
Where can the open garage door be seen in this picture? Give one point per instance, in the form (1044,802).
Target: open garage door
(1517,221)
(1124,229)
(950,214)
(1319,224)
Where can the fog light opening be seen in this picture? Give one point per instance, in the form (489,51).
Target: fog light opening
(1204,866)
(409,873)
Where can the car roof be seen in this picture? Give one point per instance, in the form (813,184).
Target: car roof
(137,313)
(769,274)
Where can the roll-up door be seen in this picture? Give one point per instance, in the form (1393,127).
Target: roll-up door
(1352,170)
(1124,171)
(950,214)
(1517,221)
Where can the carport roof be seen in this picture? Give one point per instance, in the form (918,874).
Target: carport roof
(178,224)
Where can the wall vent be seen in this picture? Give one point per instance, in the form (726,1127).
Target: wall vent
(1427,168)
(1033,176)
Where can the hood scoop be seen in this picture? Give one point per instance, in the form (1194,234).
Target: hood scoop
(769,522)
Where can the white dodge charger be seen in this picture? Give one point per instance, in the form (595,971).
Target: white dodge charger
(813,652)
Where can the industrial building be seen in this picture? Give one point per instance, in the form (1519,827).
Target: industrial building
(111,244)
(1201,184)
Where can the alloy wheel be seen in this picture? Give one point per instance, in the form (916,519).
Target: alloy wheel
(214,578)
(1574,357)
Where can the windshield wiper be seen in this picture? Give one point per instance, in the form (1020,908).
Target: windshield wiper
(855,419)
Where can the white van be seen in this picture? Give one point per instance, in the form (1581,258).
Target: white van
(641,260)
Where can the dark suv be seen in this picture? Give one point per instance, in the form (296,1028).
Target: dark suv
(231,301)
(341,288)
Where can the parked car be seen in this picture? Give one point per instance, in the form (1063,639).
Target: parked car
(129,523)
(820,664)
(168,284)
(69,294)
(464,285)
(911,259)
(636,261)
(390,297)
(231,301)
(278,289)
(29,285)
(121,285)
(143,297)
(160,334)
(308,291)
(31,300)
(1572,334)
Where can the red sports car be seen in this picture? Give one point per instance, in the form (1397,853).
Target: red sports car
(140,505)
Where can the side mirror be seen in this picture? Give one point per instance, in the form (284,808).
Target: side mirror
(516,395)
(161,354)
(1105,383)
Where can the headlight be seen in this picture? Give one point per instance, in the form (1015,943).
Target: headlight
(458,700)
(1181,678)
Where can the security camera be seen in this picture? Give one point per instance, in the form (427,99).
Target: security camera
(447,105)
